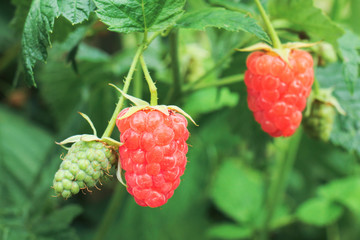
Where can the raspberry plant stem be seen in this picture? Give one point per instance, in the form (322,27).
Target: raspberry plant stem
(218,64)
(285,163)
(141,48)
(270,29)
(152,87)
(221,82)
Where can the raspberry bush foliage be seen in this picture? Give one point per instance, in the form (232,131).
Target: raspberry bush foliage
(210,119)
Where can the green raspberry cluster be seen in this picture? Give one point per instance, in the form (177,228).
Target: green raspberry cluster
(319,123)
(82,167)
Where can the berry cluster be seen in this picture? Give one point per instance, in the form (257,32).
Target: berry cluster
(277,90)
(153,154)
(82,167)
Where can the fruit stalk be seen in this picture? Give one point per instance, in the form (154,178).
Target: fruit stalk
(141,48)
(270,29)
(221,82)
(278,184)
(217,65)
(150,82)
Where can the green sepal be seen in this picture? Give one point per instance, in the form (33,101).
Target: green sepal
(111,142)
(143,105)
(179,110)
(324,95)
(136,101)
(119,175)
(76,138)
(283,53)
(86,117)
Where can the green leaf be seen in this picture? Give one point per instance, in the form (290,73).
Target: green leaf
(229,231)
(345,191)
(58,220)
(233,5)
(138,16)
(348,45)
(346,130)
(36,35)
(208,100)
(76,11)
(319,212)
(95,72)
(305,17)
(91,54)
(23,149)
(222,18)
(238,191)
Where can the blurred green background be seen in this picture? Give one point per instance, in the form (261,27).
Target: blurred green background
(231,162)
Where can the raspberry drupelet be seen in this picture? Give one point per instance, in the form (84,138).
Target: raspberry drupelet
(277,91)
(153,154)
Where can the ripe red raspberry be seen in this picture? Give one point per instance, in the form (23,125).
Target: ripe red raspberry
(277,91)
(153,154)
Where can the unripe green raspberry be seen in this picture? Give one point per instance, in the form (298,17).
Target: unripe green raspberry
(319,123)
(82,167)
